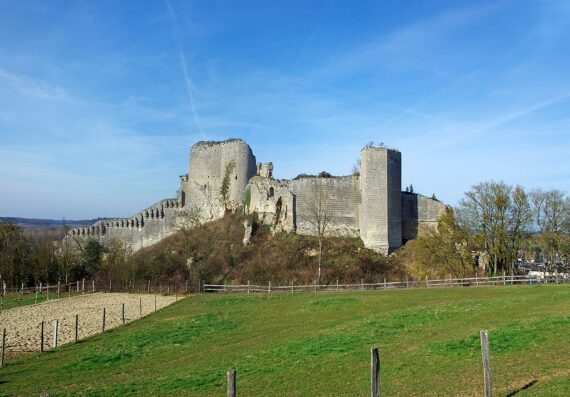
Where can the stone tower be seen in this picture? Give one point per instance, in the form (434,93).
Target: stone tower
(380,185)
(210,164)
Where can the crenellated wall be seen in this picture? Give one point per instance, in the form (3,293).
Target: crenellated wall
(141,230)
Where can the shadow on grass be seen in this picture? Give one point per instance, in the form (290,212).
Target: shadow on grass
(528,385)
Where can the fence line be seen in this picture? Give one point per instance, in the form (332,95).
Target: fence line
(449,282)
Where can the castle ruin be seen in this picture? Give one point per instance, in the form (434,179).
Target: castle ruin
(224,176)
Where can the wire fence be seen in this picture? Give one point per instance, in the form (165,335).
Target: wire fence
(42,292)
(503,280)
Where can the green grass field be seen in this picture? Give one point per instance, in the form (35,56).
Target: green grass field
(308,344)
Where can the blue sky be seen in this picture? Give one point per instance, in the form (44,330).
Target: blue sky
(101,100)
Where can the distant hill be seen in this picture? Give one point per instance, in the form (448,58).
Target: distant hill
(47,222)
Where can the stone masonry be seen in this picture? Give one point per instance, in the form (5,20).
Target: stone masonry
(224,177)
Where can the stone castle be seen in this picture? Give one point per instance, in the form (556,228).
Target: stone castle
(224,176)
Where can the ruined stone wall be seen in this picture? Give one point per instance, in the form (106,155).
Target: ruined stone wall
(342,197)
(371,205)
(273,201)
(419,210)
(380,184)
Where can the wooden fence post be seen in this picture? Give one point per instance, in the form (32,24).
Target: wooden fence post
(148,287)
(231,383)
(487,375)
(103,321)
(58,288)
(384,282)
(92,285)
(374,372)
(3,350)
(55,330)
(427,282)
(110,289)
(407,285)
(155,303)
(248,286)
(36,300)
(269,288)
(76,328)
(83,286)
(42,337)
(47,292)
(123,313)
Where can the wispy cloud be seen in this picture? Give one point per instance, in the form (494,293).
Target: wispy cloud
(405,44)
(187,79)
(33,87)
(500,121)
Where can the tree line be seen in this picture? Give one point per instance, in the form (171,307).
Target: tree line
(495,226)
(28,260)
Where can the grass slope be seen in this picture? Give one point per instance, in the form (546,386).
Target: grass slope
(318,345)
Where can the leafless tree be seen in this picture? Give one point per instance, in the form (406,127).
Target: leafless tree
(318,215)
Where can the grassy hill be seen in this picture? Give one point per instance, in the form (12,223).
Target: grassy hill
(309,344)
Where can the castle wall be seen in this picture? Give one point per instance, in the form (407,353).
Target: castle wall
(141,230)
(273,201)
(341,196)
(380,184)
(371,205)
(419,210)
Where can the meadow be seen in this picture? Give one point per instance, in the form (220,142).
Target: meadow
(318,344)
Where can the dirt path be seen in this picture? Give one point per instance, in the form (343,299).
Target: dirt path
(23,323)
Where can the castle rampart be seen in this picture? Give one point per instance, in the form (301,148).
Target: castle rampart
(224,176)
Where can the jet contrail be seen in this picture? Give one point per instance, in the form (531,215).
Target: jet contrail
(176,37)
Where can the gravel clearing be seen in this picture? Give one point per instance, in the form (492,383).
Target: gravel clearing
(23,323)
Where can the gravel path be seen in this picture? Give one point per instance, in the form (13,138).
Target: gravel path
(23,323)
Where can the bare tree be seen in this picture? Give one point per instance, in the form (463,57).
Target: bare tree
(497,216)
(551,217)
(318,215)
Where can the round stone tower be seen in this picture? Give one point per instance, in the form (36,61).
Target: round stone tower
(219,172)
